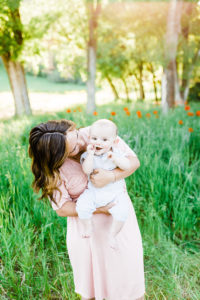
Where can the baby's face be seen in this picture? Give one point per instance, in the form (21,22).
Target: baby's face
(102,138)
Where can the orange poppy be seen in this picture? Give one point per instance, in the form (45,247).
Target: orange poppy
(74,110)
(125,108)
(180,122)
(190,114)
(190,129)
(95,113)
(148,115)
(198,113)
(128,113)
(187,107)
(155,112)
(68,110)
(139,114)
(113,113)
(79,109)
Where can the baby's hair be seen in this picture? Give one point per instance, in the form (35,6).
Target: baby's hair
(105,123)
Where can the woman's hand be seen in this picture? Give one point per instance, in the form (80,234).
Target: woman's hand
(104,209)
(100,177)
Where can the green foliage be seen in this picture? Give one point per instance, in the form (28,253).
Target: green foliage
(164,191)
(11,28)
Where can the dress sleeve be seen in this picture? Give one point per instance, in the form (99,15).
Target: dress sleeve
(124,148)
(60,199)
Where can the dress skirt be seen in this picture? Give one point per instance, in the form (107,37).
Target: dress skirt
(100,271)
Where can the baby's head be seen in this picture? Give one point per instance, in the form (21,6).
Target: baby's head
(103,134)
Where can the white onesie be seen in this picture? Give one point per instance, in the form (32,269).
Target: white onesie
(94,197)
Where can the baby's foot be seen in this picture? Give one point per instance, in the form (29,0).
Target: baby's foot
(87,234)
(113,243)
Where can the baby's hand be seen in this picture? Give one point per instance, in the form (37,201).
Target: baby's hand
(111,155)
(90,149)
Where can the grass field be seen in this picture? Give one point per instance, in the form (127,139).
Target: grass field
(165,192)
(39,84)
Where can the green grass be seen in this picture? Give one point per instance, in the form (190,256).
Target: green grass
(165,192)
(39,84)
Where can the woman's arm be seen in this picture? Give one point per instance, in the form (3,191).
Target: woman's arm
(69,209)
(102,177)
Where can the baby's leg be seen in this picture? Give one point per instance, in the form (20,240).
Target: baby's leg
(87,228)
(120,213)
(115,229)
(85,208)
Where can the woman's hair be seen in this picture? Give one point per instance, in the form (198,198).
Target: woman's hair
(48,150)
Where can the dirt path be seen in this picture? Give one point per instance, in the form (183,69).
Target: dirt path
(45,102)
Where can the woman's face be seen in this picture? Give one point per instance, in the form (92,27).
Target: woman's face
(72,142)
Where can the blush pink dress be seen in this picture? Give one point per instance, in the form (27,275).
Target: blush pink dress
(99,271)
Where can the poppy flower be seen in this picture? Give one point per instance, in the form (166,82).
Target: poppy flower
(190,114)
(125,108)
(139,114)
(148,115)
(190,129)
(155,112)
(68,110)
(180,122)
(79,109)
(157,116)
(113,113)
(198,113)
(95,113)
(187,107)
(128,113)
(74,110)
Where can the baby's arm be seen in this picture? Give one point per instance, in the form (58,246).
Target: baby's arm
(121,162)
(87,164)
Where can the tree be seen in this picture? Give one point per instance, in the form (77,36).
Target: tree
(93,8)
(11,44)
(169,73)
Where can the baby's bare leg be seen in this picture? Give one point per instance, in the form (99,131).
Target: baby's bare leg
(87,228)
(115,229)
(141,298)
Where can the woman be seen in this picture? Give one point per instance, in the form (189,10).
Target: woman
(99,272)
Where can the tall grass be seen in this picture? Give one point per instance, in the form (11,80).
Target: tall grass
(165,192)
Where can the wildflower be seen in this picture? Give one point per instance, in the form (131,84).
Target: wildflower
(148,115)
(95,113)
(68,110)
(198,113)
(155,112)
(74,110)
(79,109)
(190,114)
(139,114)
(187,107)
(180,122)
(125,109)
(113,113)
(128,113)
(190,129)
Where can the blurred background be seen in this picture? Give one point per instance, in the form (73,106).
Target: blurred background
(136,63)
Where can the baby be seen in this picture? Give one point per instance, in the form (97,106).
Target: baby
(101,153)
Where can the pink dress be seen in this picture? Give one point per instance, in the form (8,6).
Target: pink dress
(99,271)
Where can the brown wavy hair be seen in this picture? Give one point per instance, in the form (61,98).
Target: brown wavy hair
(48,151)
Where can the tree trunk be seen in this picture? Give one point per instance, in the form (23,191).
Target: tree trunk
(18,86)
(178,97)
(116,95)
(91,55)
(126,90)
(169,73)
(154,81)
(140,81)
